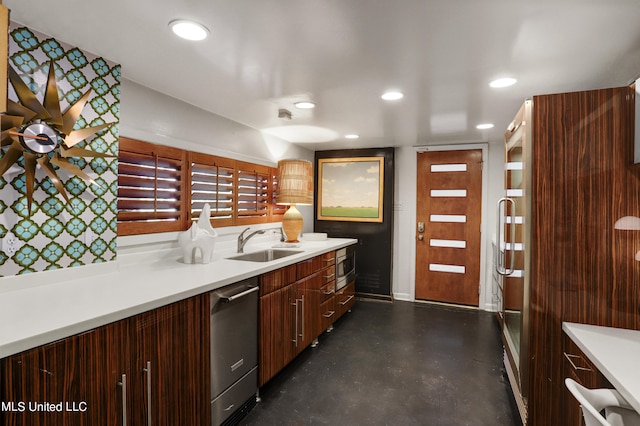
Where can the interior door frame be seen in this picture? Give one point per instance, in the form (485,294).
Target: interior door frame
(484,298)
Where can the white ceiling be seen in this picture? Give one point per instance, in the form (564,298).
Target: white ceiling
(263,55)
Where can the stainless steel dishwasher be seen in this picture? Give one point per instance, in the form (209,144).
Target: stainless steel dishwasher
(234,351)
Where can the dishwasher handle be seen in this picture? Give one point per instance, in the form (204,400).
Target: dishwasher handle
(229,299)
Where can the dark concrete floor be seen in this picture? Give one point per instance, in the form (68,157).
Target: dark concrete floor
(395,363)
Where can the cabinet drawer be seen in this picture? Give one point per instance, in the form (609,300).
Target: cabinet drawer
(345,298)
(309,266)
(275,280)
(329,274)
(234,397)
(327,291)
(328,312)
(578,366)
(329,259)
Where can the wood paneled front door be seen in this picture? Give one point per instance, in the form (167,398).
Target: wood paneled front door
(448,226)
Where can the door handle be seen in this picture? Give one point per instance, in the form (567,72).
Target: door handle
(501,268)
(420,226)
(239,295)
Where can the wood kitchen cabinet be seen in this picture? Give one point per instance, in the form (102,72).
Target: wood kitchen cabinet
(345,299)
(158,359)
(294,303)
(78,375)
(327,299)
(302,318)
(170,364)
(579,368)
(274,292)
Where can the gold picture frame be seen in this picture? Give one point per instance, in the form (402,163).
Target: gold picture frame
(350,189)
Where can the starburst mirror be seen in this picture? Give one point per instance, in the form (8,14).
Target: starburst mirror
(43,135)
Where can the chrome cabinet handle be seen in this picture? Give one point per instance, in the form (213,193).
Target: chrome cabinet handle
(296,327)
(123,383)
(147,372)
(327,293)
(327,277)
(329,314)
(575,367)
(347,300)
(302,334)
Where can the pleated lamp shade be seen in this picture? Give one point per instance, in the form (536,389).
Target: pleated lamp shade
(295,186)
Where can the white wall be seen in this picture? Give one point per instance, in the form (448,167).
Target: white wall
(151,116)
(403,286)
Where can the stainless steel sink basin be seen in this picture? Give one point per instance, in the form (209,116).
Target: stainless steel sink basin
(265,255)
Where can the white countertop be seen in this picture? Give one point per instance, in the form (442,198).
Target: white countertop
(48,311)
(615,352)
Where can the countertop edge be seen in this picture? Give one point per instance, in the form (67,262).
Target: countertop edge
(22,332)
(573,331)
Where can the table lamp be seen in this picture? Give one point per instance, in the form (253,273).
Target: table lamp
(295,186)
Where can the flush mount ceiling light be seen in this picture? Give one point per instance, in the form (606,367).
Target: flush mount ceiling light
(189,30)
(392,95)
(351,136)
(304,105)
(503,82)
(484,126)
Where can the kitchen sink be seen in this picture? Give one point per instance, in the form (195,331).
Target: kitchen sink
(265,255)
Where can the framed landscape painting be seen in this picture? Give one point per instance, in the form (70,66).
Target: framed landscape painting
(350,189)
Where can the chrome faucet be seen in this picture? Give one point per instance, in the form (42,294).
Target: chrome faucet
(242,240)
(282,239)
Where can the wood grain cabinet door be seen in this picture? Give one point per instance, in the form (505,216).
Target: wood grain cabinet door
(271,337)
(151,369)
(75,381)
(291,322)
(170,364)
(312,298)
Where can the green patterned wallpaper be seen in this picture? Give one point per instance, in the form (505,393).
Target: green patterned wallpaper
(58,234)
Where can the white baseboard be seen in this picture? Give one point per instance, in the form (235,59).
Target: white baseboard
(405,297)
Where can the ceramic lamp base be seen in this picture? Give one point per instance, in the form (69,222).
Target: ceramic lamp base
(292,224)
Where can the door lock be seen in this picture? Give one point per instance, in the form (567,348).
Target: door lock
(420,226)
(420,237)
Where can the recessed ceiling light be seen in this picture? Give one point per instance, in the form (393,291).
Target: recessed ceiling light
(305,105)
(351,136)
(189,30)
(392,96)
(484,126)
(503,82)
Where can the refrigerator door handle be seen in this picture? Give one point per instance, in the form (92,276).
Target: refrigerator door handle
(499,254)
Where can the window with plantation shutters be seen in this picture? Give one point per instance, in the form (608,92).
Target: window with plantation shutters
(253,193)
(213,182)
(150,188)
(163,189)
